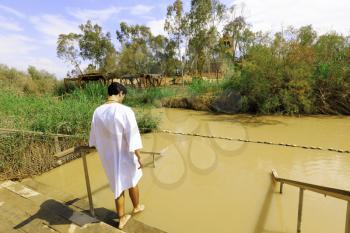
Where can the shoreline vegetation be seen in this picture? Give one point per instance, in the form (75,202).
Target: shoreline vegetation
(292,72)
(70,113)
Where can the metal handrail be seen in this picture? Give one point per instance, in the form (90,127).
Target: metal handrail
(84,148)
(327,191)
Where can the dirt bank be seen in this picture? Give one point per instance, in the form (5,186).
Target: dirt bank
(199,103)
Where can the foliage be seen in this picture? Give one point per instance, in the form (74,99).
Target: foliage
(71,115)
(198,86)
(142,52)
(149,96)
(38,82)
(147,120)
(90,45)
(297,72)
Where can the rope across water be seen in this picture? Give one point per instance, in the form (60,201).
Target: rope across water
(191,134)
(254,141)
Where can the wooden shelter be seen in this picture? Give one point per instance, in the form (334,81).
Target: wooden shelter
(85,78)
(141,80)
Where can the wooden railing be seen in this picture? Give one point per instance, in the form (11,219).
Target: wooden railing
(327,191)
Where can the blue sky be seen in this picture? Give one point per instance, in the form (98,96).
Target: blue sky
(29,28)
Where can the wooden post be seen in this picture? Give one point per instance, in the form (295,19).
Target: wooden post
(88,188)
(300,209)
(347,220)
(57,145)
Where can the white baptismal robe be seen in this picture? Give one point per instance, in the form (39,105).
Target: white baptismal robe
(115,134)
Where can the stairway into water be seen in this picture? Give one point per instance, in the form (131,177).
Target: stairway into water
(32,207)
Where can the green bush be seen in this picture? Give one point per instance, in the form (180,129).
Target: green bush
(198,86)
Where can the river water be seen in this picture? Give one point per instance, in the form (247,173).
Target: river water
(212,185)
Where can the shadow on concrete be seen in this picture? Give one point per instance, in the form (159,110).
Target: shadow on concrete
(56,213)
(47,212)
(105,215)
(102,214)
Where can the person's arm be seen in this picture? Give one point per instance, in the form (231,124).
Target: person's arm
(138,155)
(92,138)
(133,136)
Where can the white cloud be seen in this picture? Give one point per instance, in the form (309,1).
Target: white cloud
(21,51)
(98,16)
(140,9)
(157,27)
(15,45)
(52,26)
(323,15)
(9,25)
(103,15)
(11,11)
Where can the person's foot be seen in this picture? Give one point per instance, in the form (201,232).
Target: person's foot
(123,220)
(138,209)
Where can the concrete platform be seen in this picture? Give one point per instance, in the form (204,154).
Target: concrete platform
(35,208)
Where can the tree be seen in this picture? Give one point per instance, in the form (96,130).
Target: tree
(91,45)
(199,18)
(306,36)
(95,46)
(204,19)
(215,47)
(240,35)
(68,49)
(136,55)
(129,34)
(175,26)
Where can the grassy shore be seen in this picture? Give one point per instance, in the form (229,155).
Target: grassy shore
(23,155)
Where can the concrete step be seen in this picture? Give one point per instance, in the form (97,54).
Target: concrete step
(81,205)
(25,210)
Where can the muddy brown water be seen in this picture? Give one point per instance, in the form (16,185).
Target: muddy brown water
(211,185)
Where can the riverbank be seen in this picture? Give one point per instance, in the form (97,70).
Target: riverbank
(24,155)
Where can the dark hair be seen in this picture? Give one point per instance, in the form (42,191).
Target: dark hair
(116,88)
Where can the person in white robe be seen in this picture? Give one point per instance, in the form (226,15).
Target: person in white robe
(115,134)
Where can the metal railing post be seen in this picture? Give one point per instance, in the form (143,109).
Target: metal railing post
(154,160)
(300,209)
(281,187)
(327,191)
(347,220)
(88,188)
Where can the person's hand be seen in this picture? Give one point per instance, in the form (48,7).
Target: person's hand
(141,165)
(137,153)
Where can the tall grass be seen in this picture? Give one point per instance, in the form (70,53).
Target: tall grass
(198,86)
(22,155)
(149,97)
(72,115)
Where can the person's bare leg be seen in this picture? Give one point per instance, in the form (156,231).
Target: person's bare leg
(135,199)
(120,206)
(134,196)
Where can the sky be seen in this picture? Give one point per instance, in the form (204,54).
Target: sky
(29,28)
